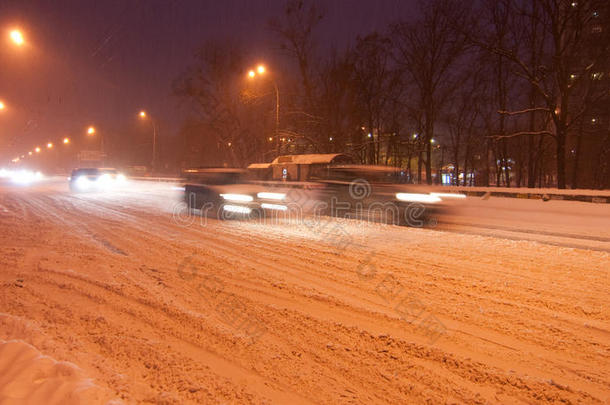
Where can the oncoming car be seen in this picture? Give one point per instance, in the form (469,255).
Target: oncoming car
(313,185)
(95,179)
(228,194)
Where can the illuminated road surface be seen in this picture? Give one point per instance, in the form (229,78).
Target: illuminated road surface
(159,308)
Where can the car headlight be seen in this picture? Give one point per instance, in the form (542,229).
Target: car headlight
(237,209)
(275,207)
(415,197)
(23,177)
(82,182)
(271,196)
(121,178)
(237,197)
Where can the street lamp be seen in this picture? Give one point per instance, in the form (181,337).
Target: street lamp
(17,37)
(49,145)
(37,149)
(143,115)
(66,141)
(92,131)
(261,70)
(2,106)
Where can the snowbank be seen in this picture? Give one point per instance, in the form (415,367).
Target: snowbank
(29,377)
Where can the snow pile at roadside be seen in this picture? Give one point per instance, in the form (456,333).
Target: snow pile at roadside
(29,377)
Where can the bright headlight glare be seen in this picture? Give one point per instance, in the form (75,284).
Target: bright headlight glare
(23,177)
(277,207)
(237,197)
(121,178)
(420,198)
(82,182)
(237,209)
(271,196)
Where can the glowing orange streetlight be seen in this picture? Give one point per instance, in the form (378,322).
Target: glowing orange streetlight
(66,141)
(91,130)
(260,70)
(37,149)
(2,106)
(49,145)
(30,153)
(17,37)
(144,116)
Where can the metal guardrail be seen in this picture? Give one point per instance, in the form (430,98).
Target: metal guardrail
(533,194)
(158,179)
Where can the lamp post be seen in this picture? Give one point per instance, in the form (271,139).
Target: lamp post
(261,70)
(441,148)
(91,131)
(143,115)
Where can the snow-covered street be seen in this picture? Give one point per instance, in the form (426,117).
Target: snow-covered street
(504,301)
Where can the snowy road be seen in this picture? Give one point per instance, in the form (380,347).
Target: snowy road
(506,301)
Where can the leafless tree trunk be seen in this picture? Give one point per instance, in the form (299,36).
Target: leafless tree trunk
(429,51)
(564,63)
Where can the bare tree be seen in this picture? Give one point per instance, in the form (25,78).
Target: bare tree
(374,80)
(295,33)
(462,117)
(429,51)
(558,74)
(214,86)
(337,104)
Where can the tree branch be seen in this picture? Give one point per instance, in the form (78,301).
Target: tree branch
(521,133)
(527,110)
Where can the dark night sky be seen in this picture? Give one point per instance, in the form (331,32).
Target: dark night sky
(99,62)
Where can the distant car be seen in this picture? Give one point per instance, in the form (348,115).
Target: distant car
(95,179)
